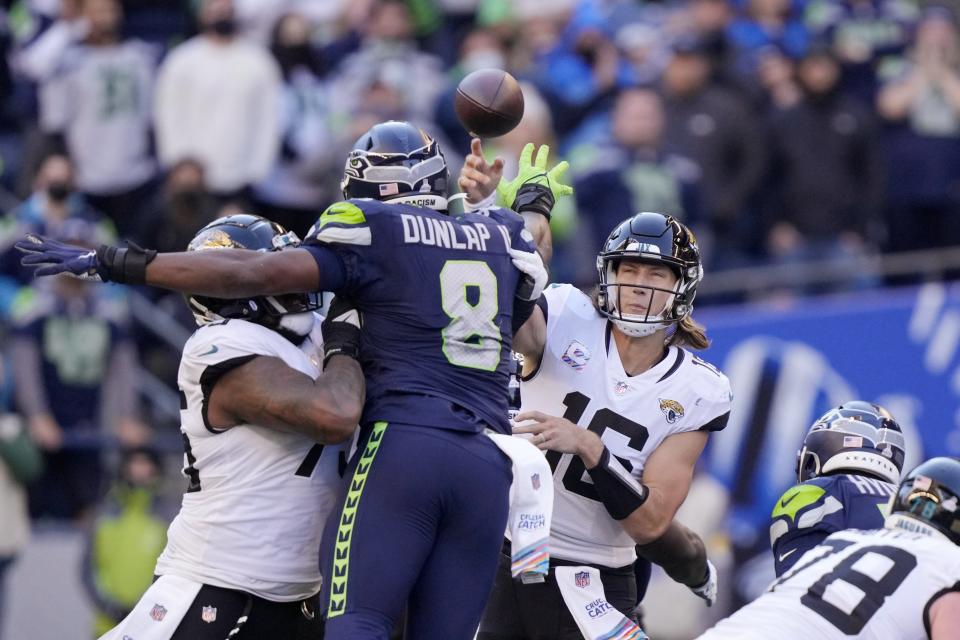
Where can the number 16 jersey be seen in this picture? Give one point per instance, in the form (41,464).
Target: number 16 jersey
(581,378)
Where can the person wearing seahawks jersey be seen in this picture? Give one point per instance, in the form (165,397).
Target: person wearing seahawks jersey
(623,410)
(261,428)
(901,581)
(847,469)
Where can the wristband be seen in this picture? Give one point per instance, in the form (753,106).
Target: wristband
(619,491)
(127,266)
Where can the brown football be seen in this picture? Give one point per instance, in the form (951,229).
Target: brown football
(489,103)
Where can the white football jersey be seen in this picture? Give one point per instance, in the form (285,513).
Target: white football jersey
(581,378)
(254,512)
(864,585)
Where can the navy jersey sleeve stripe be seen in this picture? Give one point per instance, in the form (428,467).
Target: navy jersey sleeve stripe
(333,274)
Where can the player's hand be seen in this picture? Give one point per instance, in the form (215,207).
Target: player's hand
(341,330)
(530,264)
(478,179)
(52,257)
(708,590)
(533,172)
(551,433)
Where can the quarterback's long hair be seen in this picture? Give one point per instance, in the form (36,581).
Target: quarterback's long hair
(685,333)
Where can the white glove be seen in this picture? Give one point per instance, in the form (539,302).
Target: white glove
(708,590)
(531,265)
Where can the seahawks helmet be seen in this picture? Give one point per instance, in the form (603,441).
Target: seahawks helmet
(397,162)
(245,231)
(858,437)
(929,499)
(653,238)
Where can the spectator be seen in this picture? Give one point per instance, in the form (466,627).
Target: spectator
(864,35)
(217,101)
(76,370)
(99,100)
(715,128)
(825,175)
(294,193)
(125,540)
(388,56)
(764,23)
(53,202)
(184,207)
(635,172)
(923,104)
(19,464)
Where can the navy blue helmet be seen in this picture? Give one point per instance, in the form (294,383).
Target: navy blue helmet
(858,437)
(397,162)
(650,237)
(246,231)
(928,497)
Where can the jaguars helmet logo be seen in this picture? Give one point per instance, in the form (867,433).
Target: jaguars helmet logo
(216,239)
(672,410)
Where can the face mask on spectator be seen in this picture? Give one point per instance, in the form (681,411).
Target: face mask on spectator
(58,191)
(187,198)
(223,26)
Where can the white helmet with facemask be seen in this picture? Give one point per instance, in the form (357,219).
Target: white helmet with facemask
(656,239)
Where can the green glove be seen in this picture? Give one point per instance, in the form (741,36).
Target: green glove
(535,173)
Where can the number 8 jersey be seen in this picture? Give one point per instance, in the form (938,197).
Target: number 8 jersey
(868,585)
(582,378)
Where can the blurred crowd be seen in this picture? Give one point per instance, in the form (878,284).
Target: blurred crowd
(785,132)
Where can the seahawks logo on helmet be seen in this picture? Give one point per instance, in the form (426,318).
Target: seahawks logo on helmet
(394,162)
(857,436)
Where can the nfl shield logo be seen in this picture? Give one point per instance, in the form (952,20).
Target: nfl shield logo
(581,579)
(535,481)
(158,612)
(621,388)
(208,614)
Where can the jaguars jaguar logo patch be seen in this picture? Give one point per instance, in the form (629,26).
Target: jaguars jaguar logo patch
(672,410)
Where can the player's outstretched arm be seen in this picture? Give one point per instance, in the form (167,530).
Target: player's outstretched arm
(268,393)
(221,274)
(945,617)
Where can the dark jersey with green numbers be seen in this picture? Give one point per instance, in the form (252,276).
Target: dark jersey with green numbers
(437,294)
(810,511)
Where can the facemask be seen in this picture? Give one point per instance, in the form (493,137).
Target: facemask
(223,27)
(58,191)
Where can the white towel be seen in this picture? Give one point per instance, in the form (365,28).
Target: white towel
(531,506)
(597,619)
(159,612)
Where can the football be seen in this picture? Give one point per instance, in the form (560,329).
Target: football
(489,103)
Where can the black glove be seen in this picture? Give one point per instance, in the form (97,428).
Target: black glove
(341,330)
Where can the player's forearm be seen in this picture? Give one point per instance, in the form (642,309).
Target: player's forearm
(651,520)
(236,273)
(680,552)
(539,227)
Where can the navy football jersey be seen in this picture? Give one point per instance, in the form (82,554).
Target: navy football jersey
(437,295)
(809,512)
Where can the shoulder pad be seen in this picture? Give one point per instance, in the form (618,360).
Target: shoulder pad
(796,498)
(343,222)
